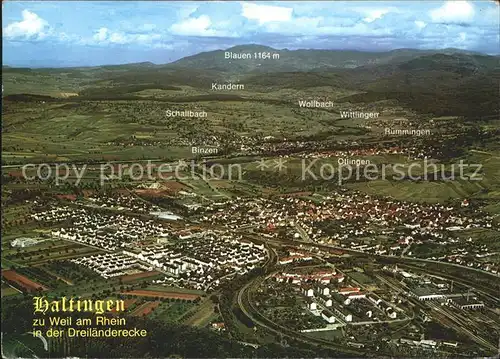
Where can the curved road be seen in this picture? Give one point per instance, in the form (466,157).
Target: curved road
(280,330)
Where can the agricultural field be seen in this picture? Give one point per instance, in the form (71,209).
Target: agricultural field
(70,272)
(145,309)
(202,315)
(162,294)
(51,250)
(8,290)
(172,312)
(22,282)
(130,278)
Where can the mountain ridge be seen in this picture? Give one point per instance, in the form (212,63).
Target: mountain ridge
(303,59)
(402,52)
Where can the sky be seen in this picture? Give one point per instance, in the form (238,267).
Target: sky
(91,33)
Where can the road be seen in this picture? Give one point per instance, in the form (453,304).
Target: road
(97,163)
(406,250)
(207,287)
(302,232)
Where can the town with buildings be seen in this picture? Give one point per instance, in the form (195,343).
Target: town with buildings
(360,272)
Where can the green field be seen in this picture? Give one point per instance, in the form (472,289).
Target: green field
(7,290)
(171,312)
(167,288)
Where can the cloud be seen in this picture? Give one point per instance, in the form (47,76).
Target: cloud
(193,26)
(420,24)
(118,38)
(198,26)
(371,14)
(324,27)
(265,13)
(101,35)
(375,15)
(104,36)
(163,46)
(147,38)
(453,12)
(31,27)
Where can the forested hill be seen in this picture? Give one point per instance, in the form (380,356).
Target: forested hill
(299,60)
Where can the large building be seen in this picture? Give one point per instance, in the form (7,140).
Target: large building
(427,293)
(328,316)
(343,314)
(466,302)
